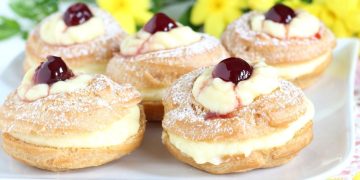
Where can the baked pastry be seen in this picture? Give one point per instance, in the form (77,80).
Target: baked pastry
(235,117)
(296,43)
(84,37)
(57,120)
(157,55)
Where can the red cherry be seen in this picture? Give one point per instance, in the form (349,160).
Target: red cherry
(232,69)
(77,14)
(51,71)
(159,22)
(280,13)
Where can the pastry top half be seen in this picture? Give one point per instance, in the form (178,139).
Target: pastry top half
(161,52)
(281,36)
(59,104)
(91,38)
(202,107)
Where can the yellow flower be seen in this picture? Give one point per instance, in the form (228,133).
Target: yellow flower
(341,8)
(261,5)
(357,176)
(327,17)
(294,3)
(352,21)
(215,14)
(340,29)
(342,17)
(128,13)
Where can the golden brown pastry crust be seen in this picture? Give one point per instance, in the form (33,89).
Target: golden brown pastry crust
(62,159)
(159,69)
(241,41)
(154,110)
(307,80)
(88,109)
(264,158)
(267,114)
(97,51)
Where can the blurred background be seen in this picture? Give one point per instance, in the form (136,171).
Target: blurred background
(17,17)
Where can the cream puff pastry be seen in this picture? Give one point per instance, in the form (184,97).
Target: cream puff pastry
(157,55)
(235,117)
(84,37)
(296,43)
(57,120)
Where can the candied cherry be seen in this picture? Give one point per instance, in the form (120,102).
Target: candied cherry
(232,70)
(280,13)
(77,14)
(52,70)
(159,22)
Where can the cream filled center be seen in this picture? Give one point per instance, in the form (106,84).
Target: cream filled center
(117,133)
(144,42)
(54,31)
(31,92)
(302,26)
(224,97)
(213,152)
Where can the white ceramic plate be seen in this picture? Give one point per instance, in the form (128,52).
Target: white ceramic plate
(330,150)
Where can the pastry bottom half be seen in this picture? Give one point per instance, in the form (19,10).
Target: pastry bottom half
(308,79)
(62,159)
(264,158)
(154,110)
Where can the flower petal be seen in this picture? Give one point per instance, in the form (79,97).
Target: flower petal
(142,17)
(107,5)
(341,8)
(353,21)
(231,15)
(214,25)
(261,5)
(126,21)
(339,29)
(199,13)
(327,17)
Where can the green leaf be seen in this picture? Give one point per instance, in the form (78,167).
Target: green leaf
(157,5)
(307,1)
(8,27)
(184,19)
(35,10)
(24,34)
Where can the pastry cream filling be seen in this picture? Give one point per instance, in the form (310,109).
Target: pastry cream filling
(153,94)
(93,68)
(302,26)
(207,152)
(54,31)
(144,42)
(291,72)
(30,91)
(223,97)
(117,133)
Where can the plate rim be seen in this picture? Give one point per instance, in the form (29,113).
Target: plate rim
(350,96)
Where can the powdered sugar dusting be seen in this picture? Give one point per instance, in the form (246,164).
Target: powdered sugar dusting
(186,117)
(99,47)
(206,44)
(88,109)
(242,28)
(241,41)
